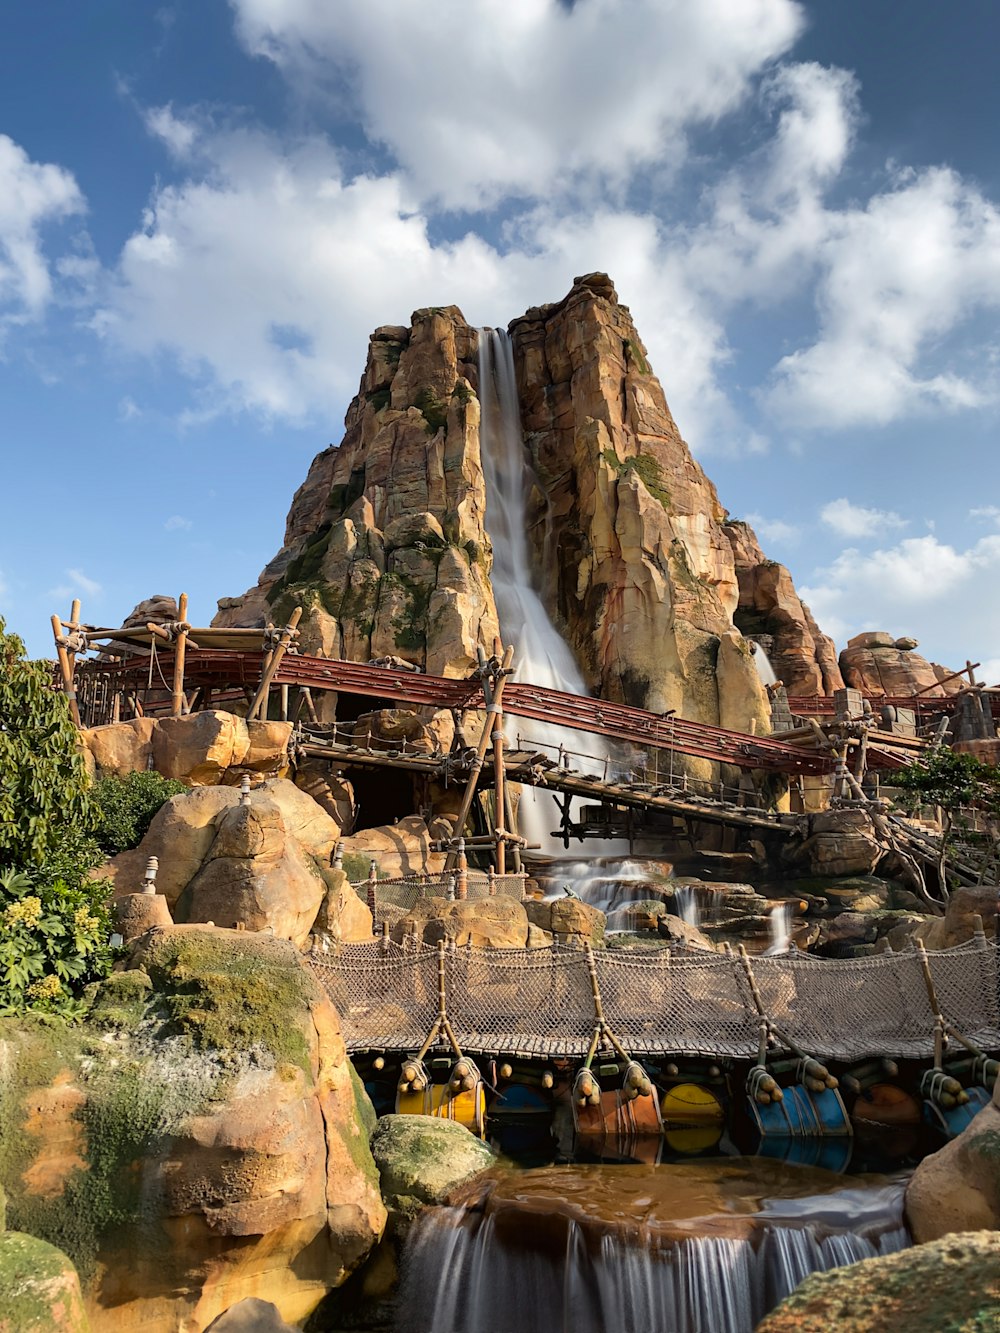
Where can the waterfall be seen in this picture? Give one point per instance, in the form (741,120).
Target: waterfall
(464,1273)
(780,923)
(765,671)
(543,656)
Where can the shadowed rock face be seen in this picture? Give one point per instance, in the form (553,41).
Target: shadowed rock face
(387,545)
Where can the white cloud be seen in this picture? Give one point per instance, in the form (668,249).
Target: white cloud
(128,409)
(850,520)
(176,523)
(897,276)
(943,596)
(177,134)
(488,98)
(77,582)
(775,529)
(32,194)
(989,513)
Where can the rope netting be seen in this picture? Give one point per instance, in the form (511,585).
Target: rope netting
(540,1002)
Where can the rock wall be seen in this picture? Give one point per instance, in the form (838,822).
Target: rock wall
(387,548)
(384,544)
(879,664)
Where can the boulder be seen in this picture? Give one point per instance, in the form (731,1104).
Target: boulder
(305,820)
(179,836)
(951,1284)
(881,666)
(677,931)
(958,1187)
(268,749)
(487,923)
(331,791)
(421,1159)
(138,912)
(121,747)
(200,747)
(255,876)
(837,843)
(342,915)
(39,1288)
(567,918)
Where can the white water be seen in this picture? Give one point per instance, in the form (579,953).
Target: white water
(765,671)
(543,657)
(461,1276)
(780,923)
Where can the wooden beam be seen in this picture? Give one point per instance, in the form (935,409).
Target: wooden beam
(177,705)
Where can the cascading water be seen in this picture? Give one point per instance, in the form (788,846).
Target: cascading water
(467,1270)
(765,671)
(780,925)
(543,657)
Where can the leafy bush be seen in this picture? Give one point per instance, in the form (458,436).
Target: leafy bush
(43,782)
(53,941)
(54,922)
(124,808)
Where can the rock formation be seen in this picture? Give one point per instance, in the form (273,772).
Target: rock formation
(387,545)
(217,1149)
(958,1187)
(879,664)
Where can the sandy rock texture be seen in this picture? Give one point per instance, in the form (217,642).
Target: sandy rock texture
(958,1187)
(202,749)
(264,865)
(218,1147)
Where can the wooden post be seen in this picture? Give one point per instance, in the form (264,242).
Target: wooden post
(65,669)
(492,709)
(180,650)
(462,879)
(498,789)
(260,698)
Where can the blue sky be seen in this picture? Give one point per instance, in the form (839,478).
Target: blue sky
(205,208)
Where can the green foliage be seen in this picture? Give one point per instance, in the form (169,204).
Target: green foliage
(53,941)
(124,808)
(379,398)
(647,468)
(951,780)
(43,782)
(637,357)
(434,412)
(462,392)
(53,917)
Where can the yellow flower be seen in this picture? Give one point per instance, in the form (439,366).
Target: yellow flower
(27,912)
(83,920)
(45,988)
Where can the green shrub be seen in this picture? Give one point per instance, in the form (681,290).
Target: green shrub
(53,942)
(124,808)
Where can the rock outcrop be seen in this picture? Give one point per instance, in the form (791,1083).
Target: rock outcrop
(879,664)
(39,1288)
(201,749)
(768,609)
(387,545)
(263,865)
(384,544)
(420,1160)
(217,1149)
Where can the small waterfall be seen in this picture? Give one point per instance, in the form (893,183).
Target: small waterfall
(543,656)
(686,901)
(780,924)
(762,662)
(464,1272)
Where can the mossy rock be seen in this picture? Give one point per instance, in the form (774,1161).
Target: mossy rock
(120,1000)
(950,1285)
(232,991)
(421,1159)
(39,1288)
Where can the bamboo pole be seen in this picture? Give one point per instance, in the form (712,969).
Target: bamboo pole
(180,650)
(65,669)
(492,709)
(260,698)
(498,794)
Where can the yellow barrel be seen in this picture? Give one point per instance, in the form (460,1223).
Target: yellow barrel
(687,1104)
(468,1108)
